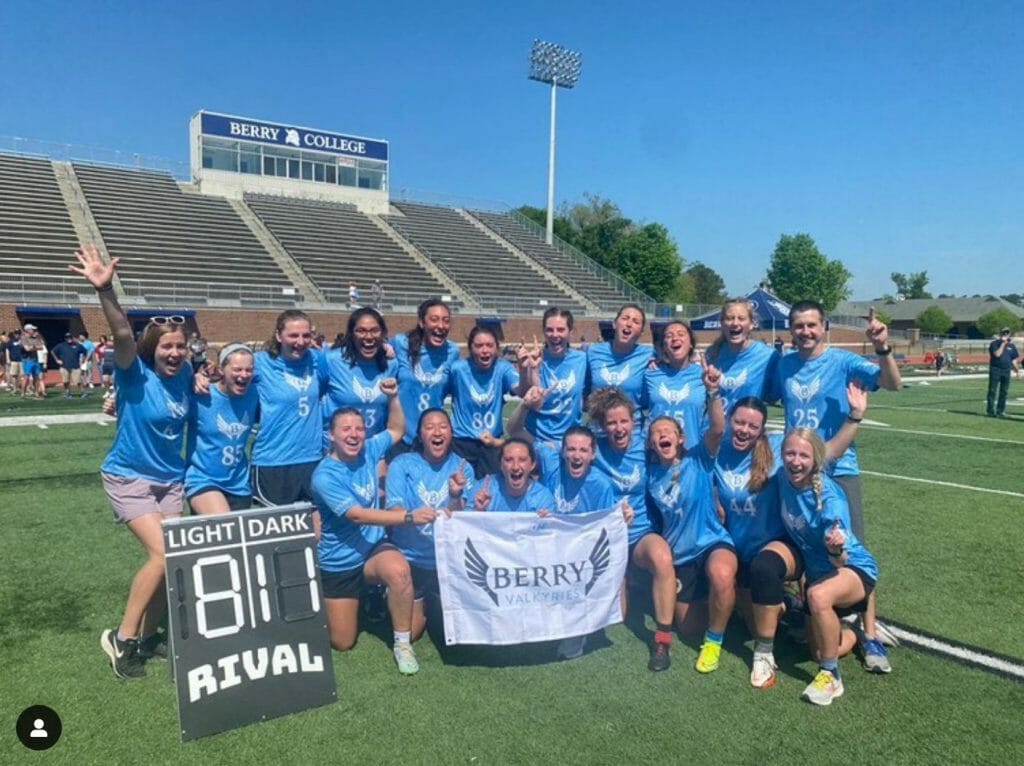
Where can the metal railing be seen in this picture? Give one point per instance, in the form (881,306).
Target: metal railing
(396,224)
(53,150)
(391,301)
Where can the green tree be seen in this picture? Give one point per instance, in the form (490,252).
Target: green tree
(561,226)
(708,286)
(799,271)
(991,323)
(683,291)
(934,320)
(884,317)
(598,225)
(911,285)
(1015,298)
(649,259)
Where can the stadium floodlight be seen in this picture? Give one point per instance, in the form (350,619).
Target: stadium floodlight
(559,67)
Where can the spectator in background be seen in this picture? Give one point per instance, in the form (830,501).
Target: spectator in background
(69,355)
(105,356)
(377,291)
(4,340)
(197,349)
(30,344)
(12,353)
(1002,357)
(89,363)
(353,295)
(941,362)
(42,356)
(779,345)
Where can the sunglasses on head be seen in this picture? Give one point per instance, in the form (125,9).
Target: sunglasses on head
(162,320)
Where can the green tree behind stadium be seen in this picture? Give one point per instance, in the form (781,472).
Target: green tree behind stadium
(991,323)
(800,271)
(934,320)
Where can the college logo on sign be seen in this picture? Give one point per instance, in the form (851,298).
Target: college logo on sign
(291,137)
(550,575)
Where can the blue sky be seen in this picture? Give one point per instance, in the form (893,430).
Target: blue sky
(891,132)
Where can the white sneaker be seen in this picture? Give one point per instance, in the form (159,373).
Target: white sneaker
(571,648)
(406,659)
(823,689)
(762,672)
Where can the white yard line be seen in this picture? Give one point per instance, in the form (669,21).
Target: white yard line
(42,421)
(987,490)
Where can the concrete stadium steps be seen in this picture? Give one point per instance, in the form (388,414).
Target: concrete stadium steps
(166,237)
(588,283)
(336,245)
(493,274)
(37,238)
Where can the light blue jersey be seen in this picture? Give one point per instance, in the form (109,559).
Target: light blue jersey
(681,395)
(478,397)
(592,492)
(754,371)
(684,497)
(752,518)
(414,482)
(628,473)
(151,416)
(291,423)
(422,385)
(807,527)
(218,433)
(563,407)
(357,385)
(814,395)
(606,368)
(339,487)
(536,498)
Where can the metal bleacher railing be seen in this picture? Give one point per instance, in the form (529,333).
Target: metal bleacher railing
(54,150)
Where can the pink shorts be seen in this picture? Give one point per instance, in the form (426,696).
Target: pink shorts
(132,497)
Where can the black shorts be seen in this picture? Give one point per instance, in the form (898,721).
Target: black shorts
(347,584)
(691,577)
(424,583)
(282,484)
(743,571)
(107,371)
(235,502)
(858,608)
(484,459)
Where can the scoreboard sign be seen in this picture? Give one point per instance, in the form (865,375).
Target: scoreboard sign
(246,622)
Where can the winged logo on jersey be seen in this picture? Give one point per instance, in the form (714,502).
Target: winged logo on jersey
(796,521)
(626,481)
(232,430)
(736,481)
(481,398)
(562,505)
(299,384)
(364,491)
(615,378)
(427,379)
(430,499)
(476,571)
(600,558)
(668,497)
(805,393)
(564,385)
(732,382)
(177,409)
(674,397)
(366,394)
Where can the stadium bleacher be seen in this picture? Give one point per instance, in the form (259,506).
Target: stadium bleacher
(336,245)
(36,234)
(496,277)
(179,246)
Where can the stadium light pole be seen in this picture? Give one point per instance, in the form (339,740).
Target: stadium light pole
(559,67)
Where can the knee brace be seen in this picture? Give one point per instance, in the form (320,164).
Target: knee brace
(767,575)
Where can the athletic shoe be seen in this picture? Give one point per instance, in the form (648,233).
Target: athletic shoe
(154,647)
(884,634)
(406,659)
(571,648)
(876,659)
(661,657)
(85,394)
(124,655)
(67,394)
(823,689)
(762,673)
(707,660)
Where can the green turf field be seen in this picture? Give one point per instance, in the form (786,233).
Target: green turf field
(951,561)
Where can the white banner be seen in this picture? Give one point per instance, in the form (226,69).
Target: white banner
(508,578)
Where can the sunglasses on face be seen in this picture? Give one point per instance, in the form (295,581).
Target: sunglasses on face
(174,319)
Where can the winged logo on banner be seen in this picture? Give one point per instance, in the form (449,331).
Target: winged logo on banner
(600,558)
(299,384)
(674,397)
(476,570)
(431,499)
(481,398)
(805,393)
(366,394)
(730,383)
(232,430)
(427,379)
(615,378)
(626,481)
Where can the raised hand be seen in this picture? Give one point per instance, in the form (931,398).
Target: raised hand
(876,331)
(529,356)
(91,266)
(457,481)
(482,501)
(424,515)
(389,350)
(857,397)
(389,387)
(835,538)
(627,511)
(534,398)
(712,376)
(490,440)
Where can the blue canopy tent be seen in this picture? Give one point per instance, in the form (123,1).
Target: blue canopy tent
(772,314)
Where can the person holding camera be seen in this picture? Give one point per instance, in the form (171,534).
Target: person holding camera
(1002,357)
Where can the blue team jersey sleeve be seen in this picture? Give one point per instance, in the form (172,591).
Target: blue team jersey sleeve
(332,496)
(859,368)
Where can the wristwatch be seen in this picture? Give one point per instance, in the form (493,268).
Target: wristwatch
(408,517)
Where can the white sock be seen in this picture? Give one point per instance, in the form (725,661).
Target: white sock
(402,637)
